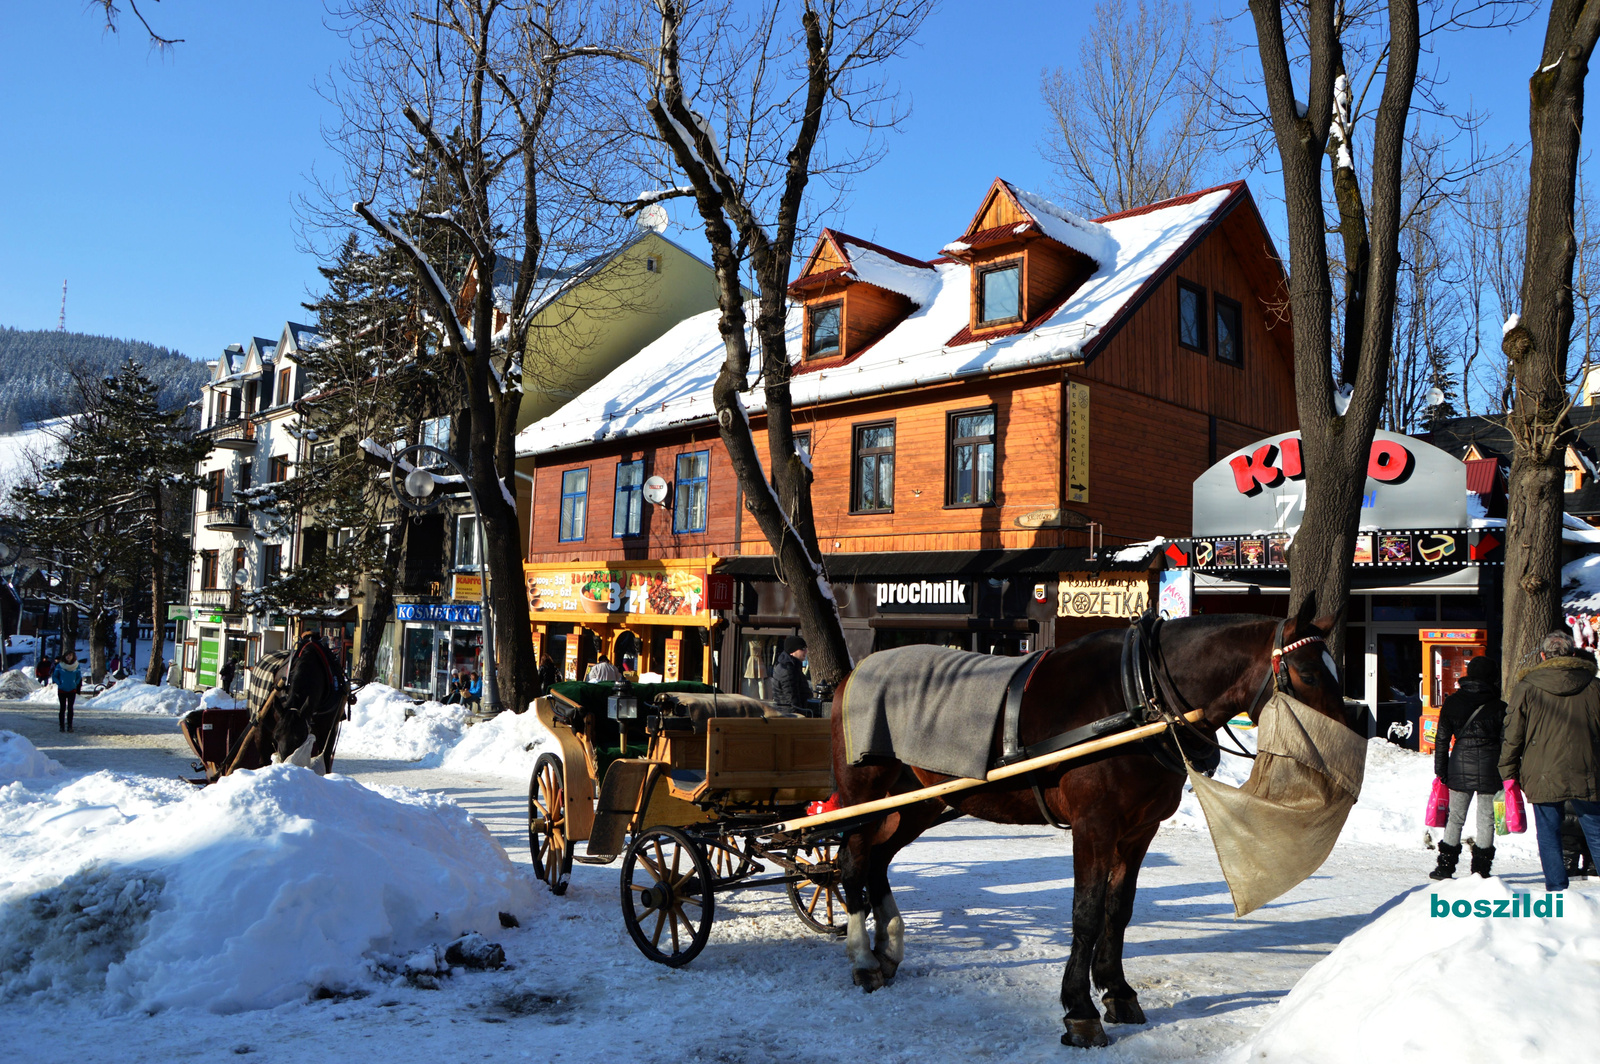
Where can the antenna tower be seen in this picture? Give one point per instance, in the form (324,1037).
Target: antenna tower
(61,323)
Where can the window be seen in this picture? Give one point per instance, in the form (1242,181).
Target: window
(874,468)
(214,490)
(971,462)
(627,512)
(466,542)
(1230,338)
(436,433)
(1000,294)
(278,468)
(824,322)
(241,564)
(247,472)
(271,563)
(802,446)
(284,377)
(689,494)
(208,569)
(574,504)
(1191,316)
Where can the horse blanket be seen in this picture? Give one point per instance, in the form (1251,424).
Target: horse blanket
(1277,829)
(262,678)
(927,706)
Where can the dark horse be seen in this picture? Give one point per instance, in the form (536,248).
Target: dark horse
(307,700)
(1114,801)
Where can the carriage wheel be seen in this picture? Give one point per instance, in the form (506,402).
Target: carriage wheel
(547,825)
(818,902)
(732,864)
(667,897)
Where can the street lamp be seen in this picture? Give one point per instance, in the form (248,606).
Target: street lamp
(415,494)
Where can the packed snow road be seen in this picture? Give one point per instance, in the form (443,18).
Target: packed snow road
(988,931)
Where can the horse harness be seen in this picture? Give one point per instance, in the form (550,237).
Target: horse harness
(1149,695)
(270,676)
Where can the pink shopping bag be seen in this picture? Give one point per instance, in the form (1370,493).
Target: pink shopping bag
(1438,813)
(1516,816)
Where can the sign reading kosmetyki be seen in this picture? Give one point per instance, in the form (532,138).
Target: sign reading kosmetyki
(1261,488)
(437,612)
(925,596)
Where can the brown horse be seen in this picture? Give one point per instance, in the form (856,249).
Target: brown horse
(1114,801)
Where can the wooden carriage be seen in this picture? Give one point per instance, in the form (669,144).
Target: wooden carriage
(675,788)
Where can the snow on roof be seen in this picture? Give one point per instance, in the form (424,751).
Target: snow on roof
(1580,584)
(305,337)
(1064,227)
(889,271)
(669,382)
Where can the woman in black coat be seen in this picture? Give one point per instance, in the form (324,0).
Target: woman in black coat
(1474,717)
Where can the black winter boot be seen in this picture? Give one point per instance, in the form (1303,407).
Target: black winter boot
(1448,856)
(1482,860)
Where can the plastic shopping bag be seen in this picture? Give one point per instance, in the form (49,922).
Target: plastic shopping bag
(1516,813)
(1438,813)
(1500,815)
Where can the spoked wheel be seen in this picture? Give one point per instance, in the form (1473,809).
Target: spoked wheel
(547,825)
(731,864)
(818,901)
(667,897)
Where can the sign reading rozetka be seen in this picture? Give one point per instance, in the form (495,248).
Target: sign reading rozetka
(1112,595)
(618,593)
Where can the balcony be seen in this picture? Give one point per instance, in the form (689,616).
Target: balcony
(219,600)
(226,518)
(235,434)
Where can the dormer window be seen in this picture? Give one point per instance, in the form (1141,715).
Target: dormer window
(826,328)
(1000,293)
(283,385)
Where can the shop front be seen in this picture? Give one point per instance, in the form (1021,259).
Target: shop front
(436,641)
(653,619)
(1420,567)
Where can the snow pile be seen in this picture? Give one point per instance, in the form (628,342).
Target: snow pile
(386,724)
(136,696)
(217,698)
(18,684)
(21,760)
(47,693)
(256,891)
(509,745)
(1414,986)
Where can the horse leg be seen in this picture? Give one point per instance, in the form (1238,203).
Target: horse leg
(1090,872)
(1121,1003)
(855,855)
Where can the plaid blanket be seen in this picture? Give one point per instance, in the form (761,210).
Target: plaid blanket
(261,679)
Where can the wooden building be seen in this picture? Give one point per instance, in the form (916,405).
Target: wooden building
(988,430)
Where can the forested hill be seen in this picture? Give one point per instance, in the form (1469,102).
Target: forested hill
(36,365)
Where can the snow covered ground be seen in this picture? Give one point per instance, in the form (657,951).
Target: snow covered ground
(987,910)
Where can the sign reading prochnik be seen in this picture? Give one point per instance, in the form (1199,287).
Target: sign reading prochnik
(925,596)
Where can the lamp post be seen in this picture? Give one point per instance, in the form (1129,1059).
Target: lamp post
(415,494)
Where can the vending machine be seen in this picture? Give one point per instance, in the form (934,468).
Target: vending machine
(1445,653)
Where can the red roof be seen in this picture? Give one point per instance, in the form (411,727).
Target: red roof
(846,238)
(1175,201)
(1481,473)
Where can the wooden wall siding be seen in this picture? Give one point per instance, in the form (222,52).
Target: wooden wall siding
(869,312)
(1050,272)
(1001,209)
(824,257)
(1144,355)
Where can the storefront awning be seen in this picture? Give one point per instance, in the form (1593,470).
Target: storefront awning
(1040,562)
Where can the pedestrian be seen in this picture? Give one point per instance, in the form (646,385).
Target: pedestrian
(790,688)
(1474,717)
(1552,748)
(471,688)
(547,674)
(229,668)
(68,681)
(41,671)
(602,671)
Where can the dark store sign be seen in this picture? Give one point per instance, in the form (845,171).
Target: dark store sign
(926,596)
(1443,547)
(1261,489)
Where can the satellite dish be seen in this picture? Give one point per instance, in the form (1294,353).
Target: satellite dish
(655,491)
(653,218)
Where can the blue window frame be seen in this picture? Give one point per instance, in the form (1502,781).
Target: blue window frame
(627,513)
(689,495)
(574,504)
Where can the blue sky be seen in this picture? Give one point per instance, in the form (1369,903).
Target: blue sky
(162,188)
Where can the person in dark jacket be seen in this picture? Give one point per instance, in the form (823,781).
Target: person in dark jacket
(548,675)
(1552,748)
(1474,718)
(790,688)
(68,680)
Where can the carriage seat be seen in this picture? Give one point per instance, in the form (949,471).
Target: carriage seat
(699,708)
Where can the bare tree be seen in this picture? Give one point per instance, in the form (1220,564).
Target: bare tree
(796,87)
(1133,120)
(111,13)
(483,103)
(1538,337)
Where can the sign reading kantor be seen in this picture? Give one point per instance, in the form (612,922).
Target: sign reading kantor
(1110,595)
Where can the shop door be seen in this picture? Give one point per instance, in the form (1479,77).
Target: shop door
(1394,683)
(441,665)
(417,660)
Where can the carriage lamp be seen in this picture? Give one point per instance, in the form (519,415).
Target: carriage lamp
(419,483)
(622,704)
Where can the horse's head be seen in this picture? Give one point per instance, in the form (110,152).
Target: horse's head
(1305,667)
(309,691)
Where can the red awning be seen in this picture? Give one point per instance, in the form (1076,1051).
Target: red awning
(1480,475)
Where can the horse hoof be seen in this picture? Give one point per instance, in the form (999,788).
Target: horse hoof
(1085,1034)
(886,966)
(869,979)
(1123,1010)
